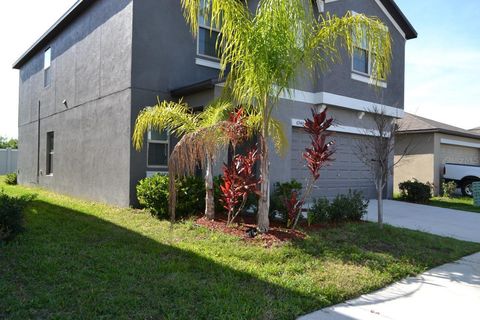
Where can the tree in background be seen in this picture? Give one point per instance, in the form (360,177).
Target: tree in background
(264,52)
(6,143)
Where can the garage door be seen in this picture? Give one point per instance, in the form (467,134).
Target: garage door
(459,154)
(345,173)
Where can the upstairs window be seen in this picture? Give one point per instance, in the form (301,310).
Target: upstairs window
(50,153)
(47,62)
(158,149)
(361,57)
(207,35)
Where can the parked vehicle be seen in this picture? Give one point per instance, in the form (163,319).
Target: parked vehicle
(463,174)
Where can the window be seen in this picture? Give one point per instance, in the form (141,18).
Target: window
(361,57)
(47,62)
(158,149)
(50,153)
(207,36)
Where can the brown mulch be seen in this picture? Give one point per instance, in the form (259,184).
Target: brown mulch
(277,234)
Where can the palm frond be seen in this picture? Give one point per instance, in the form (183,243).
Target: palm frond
(175,117)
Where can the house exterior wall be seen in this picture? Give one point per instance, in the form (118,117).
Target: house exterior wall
(90,69)
(419,161)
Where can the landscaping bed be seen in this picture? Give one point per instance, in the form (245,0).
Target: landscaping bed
(79,259)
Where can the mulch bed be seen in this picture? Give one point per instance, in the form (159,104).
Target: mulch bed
(277,234)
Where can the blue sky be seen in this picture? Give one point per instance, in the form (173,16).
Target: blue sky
(442,65)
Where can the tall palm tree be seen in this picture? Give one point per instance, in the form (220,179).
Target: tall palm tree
(200,142)
(266,50)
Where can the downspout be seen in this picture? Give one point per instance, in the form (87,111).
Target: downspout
(38,144)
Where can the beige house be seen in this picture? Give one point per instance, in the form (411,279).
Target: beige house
(430,145)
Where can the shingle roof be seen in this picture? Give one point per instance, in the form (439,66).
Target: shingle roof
(475,130)
(81,5)
(415,124)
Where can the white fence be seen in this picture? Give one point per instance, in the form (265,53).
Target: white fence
(8,161)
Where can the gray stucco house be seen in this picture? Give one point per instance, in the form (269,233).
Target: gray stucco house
(84,81)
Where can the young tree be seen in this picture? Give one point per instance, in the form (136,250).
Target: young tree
(376,152)
(264,52)
(6,143)
(200,142)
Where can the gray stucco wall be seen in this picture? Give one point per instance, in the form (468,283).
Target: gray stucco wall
(91,68)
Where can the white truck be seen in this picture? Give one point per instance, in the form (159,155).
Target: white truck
(463,174)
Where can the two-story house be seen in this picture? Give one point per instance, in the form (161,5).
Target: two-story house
(84,81)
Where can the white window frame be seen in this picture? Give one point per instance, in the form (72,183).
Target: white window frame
(366,77)
(167,142)
(209,29)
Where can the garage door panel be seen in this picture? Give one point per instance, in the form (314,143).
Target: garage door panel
(459,154)
(344,173)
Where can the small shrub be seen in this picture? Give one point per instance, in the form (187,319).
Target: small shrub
(280,195)
(358,206)
(11,214)
(318,212)
(449,188)
(152,193)
(11,179)
(415,191)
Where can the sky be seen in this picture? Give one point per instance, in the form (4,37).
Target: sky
(442,64)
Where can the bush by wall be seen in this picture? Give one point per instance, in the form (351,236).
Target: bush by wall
(281,193)
(345,207)
(11,179)
(449,188)
(152,193)
(415,191)
(11,214)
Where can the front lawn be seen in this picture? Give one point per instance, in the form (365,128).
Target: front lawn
(85,260)
(460,203)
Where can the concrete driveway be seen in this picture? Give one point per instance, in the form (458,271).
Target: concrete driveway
(457,224)
(451,291)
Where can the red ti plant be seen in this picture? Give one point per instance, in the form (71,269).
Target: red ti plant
(235,129)
(239,181)
(318,155)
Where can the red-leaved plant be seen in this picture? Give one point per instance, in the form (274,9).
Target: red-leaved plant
(235,129)
(318,155)
(239,181)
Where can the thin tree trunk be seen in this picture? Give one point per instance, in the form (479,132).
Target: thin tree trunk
(209,195)
(263,222)
(380,205)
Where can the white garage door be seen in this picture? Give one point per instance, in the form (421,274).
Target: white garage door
(459,154)
(345,173)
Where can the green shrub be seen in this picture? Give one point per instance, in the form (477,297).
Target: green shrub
(11,179)
(415,191)
(11,214)
(282,192)
(318,212)
(357,204)
(449,188)
(152,193)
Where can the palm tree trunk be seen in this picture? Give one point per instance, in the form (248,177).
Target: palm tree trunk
(209,195)
(380,204)
(263,223)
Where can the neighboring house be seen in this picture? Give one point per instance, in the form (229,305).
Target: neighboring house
(8,161)
(475,130)
(432,144)
(84,81)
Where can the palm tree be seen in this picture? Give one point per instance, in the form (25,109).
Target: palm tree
(201,140)
(266,50)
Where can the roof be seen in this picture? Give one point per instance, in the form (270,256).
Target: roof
(415,124)
(78,8)
(475,130)
(81,5)
(400,18)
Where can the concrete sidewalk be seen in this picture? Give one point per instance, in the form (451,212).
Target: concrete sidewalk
(457,224)
(451,291)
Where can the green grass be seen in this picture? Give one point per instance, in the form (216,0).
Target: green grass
(460,203)
(85,260)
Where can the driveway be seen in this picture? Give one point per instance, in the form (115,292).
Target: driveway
(445,222)
(451,291)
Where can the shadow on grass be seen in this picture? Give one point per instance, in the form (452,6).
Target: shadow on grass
(72,265)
